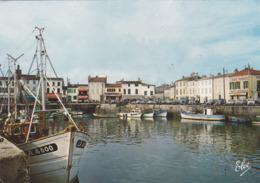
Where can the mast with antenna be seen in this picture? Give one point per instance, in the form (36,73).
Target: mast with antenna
(14,60)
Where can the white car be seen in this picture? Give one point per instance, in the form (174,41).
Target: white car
(251,101)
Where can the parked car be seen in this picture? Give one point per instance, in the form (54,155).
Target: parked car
(211,102)
(241,102)
(231,102)
(183,100)
(257,101)
(124,101)
(251,101)
(220,102)
(191,102)
(175,102)
(169,101)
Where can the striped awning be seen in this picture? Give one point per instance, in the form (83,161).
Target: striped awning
(52,95)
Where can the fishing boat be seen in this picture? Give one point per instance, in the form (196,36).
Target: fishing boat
(52,158)
(148,113)
(104,115)
(207,115)
(256,120)
(160,113)
(239,119)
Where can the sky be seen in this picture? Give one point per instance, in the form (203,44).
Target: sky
(156,41)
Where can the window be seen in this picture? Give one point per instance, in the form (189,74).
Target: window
(258,86)
(148,86)
(183,91)
(151,93)
(48,90)
(74,97)
(129,85)
(58,90)
(136,91)
(180,91)
(129,91)
(136,85)
(176,92)
(237,85)
(58,83)
(119,90)
(28,81)
(34,82)
(53,83)
(231,86)
(1,83)
(124,91)
(145,92)
(245,84)
(74,91)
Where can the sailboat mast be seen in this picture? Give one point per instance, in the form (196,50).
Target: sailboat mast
(9,95)
(15,84)
(42,72)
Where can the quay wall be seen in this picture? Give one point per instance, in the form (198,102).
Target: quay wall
(174,110)
(13,163)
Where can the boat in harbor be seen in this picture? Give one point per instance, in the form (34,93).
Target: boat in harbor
(134,113)
(104,115)
(206,115)
(148,113)
(256,120)
(239,119)
(52,158)
(160,113)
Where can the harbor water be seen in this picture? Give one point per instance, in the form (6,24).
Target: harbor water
(170,150)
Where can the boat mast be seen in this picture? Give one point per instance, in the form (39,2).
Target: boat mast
(42,72)
(9,95)
(15,84)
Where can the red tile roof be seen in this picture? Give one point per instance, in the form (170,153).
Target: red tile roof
(97,79)
(245,72)
(114,85)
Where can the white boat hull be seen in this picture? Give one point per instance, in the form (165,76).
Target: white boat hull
(202,116)
(56,158)
(148,115)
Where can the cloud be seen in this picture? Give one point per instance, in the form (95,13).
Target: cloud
(158,41)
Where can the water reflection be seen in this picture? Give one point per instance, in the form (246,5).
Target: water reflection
(135,150)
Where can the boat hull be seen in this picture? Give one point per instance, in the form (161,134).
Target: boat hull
(161,114)
(187,115)
(238,120)
(56,158)
(148,115)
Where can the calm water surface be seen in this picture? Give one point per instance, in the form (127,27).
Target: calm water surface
(168,150)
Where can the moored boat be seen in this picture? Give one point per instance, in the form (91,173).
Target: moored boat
(207,115)
(148,113)
(134,113)
(52,158)
(256,120)
(160,113)
(104,115)
(239,119)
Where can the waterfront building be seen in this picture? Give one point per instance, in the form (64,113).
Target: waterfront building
(169,93)
(137,89)
(97,87)
(245,84)
(181,87)
(187,86)
(83,93)
(205,89)
(221,86)
(160,91)
(113,91)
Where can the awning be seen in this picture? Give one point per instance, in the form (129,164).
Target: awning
(83,97)
(82,90)
(238,93)
(52,95)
